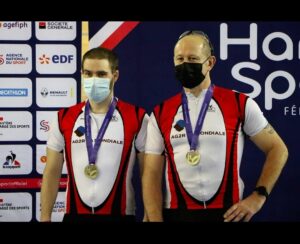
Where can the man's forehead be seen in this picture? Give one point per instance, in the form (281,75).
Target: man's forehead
(97,63)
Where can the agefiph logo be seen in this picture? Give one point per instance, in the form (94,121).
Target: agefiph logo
(180,124)
(14,24)
(11,162)
(15,30)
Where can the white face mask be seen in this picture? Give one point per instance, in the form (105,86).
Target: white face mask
(96,89)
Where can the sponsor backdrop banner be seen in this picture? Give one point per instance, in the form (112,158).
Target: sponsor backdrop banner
(40,72)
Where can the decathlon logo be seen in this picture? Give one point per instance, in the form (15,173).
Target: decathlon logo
(13,92)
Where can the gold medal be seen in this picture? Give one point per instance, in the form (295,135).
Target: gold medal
(91,171)
(193,157)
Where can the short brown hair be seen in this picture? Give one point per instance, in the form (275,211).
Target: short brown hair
(102,53)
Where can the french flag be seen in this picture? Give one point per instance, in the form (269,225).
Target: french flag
(109,34)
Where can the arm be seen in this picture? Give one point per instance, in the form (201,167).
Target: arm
(140,146)
(141,156)
(152,186)
(153,171)
(276,156)
(50,183)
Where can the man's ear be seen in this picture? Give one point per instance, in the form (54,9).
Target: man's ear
(116,75)
(212,61)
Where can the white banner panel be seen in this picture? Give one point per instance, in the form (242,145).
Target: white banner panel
(55,92)
(15,159)
(55,30)
(15,59)
(15,92)
(15,207)
(15,30)
(56,59)
(43,121)
(15,126)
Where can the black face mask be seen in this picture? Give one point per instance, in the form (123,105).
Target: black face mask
(189,74)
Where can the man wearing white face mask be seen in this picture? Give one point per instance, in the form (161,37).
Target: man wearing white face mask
(98,139)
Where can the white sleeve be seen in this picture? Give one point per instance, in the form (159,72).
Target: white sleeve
(55,140)
(255,121)
(142,135)
(155,142)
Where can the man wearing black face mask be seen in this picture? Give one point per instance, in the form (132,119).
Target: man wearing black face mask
(200,134)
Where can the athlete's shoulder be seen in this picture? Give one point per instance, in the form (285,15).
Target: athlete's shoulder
(71,111)
(224,92)
(74,107)
(170,101)
(129,106)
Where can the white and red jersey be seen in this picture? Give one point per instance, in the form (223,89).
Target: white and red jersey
(215,182)
(111,193)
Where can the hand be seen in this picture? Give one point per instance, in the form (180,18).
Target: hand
(245,209)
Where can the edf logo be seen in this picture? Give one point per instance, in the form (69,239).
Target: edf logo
(56,59)
(62,59)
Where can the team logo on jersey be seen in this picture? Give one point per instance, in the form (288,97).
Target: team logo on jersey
(211,108)
(79,131)
(179,126)
(114,118)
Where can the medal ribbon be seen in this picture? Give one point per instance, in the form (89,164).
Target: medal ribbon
(193,137)
(92,151)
